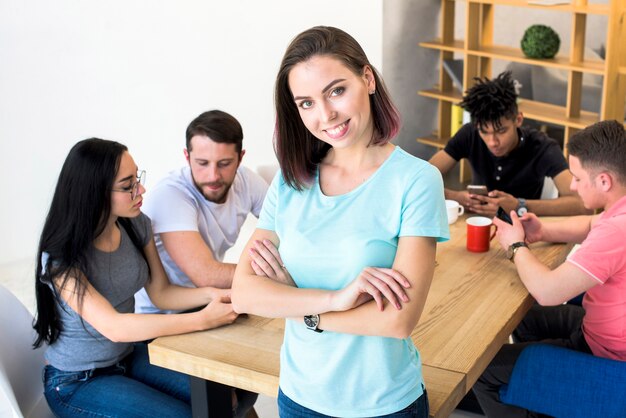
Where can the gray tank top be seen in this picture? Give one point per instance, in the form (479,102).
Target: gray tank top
(117,276)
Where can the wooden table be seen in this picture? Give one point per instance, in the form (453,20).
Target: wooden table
(474,303)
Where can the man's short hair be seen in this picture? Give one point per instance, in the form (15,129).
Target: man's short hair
(601,147)
(218,126)
(488,101)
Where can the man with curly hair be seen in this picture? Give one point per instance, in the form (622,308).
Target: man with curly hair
(512,161)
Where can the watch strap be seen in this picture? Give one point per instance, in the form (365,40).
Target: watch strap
(513,249)
(521,206)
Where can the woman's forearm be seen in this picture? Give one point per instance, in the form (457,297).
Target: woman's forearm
(367,319)
(265,297)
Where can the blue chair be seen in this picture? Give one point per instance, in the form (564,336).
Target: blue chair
(566,383)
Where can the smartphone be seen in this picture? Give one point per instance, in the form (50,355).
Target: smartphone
(477,189)
(502,215)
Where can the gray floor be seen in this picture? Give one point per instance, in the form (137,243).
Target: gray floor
(266,408)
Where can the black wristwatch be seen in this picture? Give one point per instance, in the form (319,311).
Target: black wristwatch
(312,322)
(521,206)
(510,253)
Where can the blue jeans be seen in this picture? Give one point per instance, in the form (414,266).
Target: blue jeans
(132,388)
(290,409)
(556,325)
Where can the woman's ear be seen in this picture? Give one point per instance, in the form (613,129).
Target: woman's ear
(370,81)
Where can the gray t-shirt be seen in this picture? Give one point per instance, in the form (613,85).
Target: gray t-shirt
(117,276)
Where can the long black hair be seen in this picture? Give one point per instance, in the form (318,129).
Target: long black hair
(80,208)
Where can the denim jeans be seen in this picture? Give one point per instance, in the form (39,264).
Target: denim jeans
(556,325)
(290,409)
(129,389)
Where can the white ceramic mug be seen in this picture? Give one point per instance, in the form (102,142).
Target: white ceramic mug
(454,211)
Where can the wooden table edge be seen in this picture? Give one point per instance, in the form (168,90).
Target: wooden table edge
(454,384)
(228,374)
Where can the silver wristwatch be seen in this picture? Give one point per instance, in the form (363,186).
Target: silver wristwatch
(521,206)
(312,322)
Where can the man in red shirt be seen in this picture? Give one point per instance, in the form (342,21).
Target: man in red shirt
(598,267)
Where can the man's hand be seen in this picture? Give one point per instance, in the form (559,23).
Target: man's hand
(462,196)
(488,205)
(508,234)
(533,227)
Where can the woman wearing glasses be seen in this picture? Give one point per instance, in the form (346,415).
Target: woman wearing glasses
(96,251)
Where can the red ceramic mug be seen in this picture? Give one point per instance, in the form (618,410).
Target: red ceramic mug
(479,233)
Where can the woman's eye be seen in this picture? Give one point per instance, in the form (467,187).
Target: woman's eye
(305,104)
(337,91)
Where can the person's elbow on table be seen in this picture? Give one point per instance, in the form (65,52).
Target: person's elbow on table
(239,295)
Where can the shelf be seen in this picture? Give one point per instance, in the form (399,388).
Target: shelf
(515,54)
(545,112)
(478,48)
(452,96)
(599,9)
(434,141)
(454,46)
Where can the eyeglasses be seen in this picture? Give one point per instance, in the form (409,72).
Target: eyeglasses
(133,189)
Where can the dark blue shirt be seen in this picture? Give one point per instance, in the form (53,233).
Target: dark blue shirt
(520,173)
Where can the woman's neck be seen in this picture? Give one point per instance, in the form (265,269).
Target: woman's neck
(344,170)
(109,238)
(362,158)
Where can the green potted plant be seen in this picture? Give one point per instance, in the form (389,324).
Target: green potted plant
(540,41)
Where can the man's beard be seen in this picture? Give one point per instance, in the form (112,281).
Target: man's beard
(217,196)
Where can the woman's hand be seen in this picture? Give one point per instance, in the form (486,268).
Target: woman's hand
(266,262)
(219,311)
(373,283)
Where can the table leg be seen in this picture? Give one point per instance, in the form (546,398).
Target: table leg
(210,399)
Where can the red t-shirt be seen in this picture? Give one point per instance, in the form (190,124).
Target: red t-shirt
(603,256)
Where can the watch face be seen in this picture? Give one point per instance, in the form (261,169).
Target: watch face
(310,321)
(521,211)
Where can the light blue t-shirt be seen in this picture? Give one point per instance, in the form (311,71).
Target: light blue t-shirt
(325,242)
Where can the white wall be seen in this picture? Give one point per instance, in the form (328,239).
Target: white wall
(138,72)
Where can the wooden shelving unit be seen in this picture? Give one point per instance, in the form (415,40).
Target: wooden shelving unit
(478,50)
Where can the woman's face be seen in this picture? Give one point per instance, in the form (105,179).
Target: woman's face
(122,203)
(333,101)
